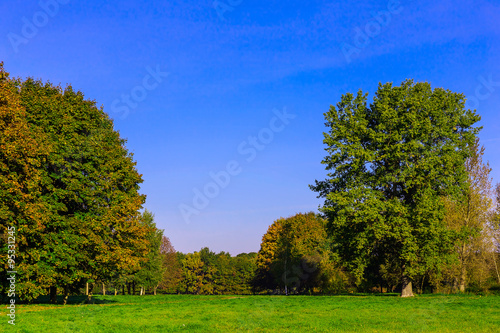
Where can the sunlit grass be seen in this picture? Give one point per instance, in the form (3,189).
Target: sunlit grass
(169,313)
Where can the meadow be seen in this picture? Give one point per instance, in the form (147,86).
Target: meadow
(190,313)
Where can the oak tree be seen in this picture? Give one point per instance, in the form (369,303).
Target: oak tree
(389,164)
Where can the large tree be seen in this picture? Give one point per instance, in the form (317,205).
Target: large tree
(23,151)
(389,164)
(87,186)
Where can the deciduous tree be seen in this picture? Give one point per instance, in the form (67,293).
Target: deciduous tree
(87,185)
(389,164)
(469,214)
(294,254)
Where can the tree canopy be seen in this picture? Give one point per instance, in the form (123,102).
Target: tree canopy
(79,192)
(295,256)
(389,165)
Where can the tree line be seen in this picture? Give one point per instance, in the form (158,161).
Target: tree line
(409,203)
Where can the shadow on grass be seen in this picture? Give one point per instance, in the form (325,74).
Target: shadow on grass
(74,300)
(366,294)
(343,294)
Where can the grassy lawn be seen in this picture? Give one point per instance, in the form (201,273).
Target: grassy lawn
(169,313)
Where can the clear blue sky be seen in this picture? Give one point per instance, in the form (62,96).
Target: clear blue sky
(232,66)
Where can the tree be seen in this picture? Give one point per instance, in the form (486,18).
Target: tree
(469,214)
(192,273)
(151,272)
(389,164)
(495,231)
(244,265)
(207,273)
(294,253)
(84,221)
(23,151)
(171,268)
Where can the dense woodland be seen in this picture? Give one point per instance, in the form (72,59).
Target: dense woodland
(409,205)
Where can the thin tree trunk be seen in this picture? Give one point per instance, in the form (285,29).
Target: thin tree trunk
(154,290)
(463,272)
(116,291)
(66,294)
(87,289)
(103,289)
(422,285)
(496,267)
(407,290)
(129,286)
(89,295)
(286,288)
(53,295)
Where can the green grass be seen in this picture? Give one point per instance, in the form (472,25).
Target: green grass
(172,313)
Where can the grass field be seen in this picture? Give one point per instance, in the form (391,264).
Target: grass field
(172,313)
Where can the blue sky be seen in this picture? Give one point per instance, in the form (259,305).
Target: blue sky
(238,88)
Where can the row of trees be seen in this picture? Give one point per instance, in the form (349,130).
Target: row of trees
(69,188)
(408,200)
(199,273)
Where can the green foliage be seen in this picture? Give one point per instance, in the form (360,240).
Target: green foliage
(151,271)
(389,164)
(171,268)
(295,257)
(207,273)
(86,194)
(469,215)
(23,151)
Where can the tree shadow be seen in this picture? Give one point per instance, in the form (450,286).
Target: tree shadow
(371,294)
(72,300)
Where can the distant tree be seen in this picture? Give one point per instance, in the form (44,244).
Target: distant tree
(151,271)
(469,214)
(389,164)
(294,253)
(495,232)
(192,273)
(244,265)
(268,253)
(207,273)
(171,267)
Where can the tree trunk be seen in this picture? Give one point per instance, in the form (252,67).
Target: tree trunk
(87,289)
(116,291)
(89,295)
(133,288)
(123,289)
(154,290)
(407,290)
(53,295)
(103,289)
(66,294)
(141,291)
(129,288)
(461,286)
(496,267)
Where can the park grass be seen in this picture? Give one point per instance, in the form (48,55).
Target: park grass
(190,313)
